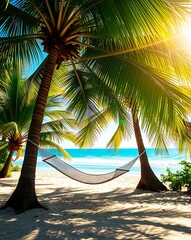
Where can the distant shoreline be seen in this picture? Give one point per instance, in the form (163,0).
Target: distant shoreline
(104,164)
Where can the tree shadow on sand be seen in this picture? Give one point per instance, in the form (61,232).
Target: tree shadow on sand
(119,214)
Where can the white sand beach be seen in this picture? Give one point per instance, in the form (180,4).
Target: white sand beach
(113,210)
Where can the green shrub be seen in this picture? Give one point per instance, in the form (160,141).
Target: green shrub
(3,158)
(15,168)
(9,172)
(4,155)
(179,179)
(1,166)
(11,169)
(186,172)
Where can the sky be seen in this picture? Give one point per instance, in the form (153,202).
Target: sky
(105,137)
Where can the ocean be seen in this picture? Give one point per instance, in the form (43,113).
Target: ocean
(101,160)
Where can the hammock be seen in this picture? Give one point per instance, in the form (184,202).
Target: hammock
(83,177)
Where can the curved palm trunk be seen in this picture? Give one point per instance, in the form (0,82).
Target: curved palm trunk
(24,197)
(5,169)
(148,179)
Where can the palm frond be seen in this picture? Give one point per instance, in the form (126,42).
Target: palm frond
(123,132)
(50,144)
(3,145)
(92,128)
(15,48)
(19,154)
(7,128)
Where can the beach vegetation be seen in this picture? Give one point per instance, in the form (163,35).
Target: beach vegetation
(3,157)
(11,169)
(15,168)
(16,109)
(159,118)
(117,110)
(73,32)
(179,180)
(4,153)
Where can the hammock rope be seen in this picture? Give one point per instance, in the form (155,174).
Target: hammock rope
(80,176)
(84,177)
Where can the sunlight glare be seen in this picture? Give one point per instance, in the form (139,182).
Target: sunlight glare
(186,32)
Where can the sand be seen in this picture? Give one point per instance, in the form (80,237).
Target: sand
(113,210)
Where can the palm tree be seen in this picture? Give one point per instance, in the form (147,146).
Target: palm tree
(66,29)
(160,111)
(14,125)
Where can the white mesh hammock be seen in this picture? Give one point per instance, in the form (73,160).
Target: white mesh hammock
(83,177)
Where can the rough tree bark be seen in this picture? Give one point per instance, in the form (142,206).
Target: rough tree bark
(148,180)
(24,197)
(5,169)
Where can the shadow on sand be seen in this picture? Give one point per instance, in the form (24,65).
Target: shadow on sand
(119,214)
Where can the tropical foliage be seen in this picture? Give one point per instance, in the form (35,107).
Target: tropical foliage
(96,31)
(180,179)
(14,124)
(158,123)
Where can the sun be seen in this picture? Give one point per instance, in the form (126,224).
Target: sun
(185,32)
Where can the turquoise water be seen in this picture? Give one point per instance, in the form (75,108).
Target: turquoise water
(106,160)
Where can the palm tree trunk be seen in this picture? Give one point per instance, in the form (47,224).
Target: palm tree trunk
(24,197)
(148,180)
(5,169)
